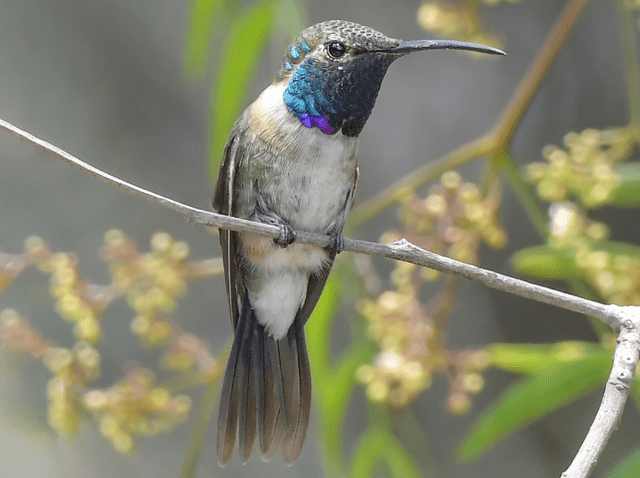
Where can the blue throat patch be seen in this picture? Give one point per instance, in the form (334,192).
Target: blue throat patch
(304,98)
(334,97)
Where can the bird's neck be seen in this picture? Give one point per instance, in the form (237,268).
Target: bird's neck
(305,99)
(286,134)
(338,98)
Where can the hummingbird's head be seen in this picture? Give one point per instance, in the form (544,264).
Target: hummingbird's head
(334,70)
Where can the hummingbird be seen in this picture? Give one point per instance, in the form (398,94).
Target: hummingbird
(291,161)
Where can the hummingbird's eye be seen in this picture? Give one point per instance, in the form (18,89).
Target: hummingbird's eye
(336,49)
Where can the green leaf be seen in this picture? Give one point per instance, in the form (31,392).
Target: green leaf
(545,263)
(533,398)
(618,248)
(399,461)
(534,358)
(201,425)
(318,331)
(379,445)
(629,468)
(343,378)
(548,263)
(367,453)
(627,193)
(201,24)
(319,328)
(248,35)
(333,385)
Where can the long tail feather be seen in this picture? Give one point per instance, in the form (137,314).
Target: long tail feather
(245,373)
(269,427)
(228,414)
(273,353)
(289,369)
(294,439)
(266,391)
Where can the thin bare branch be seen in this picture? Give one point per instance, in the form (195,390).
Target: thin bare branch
(615,396)
(191,214)
(518,105)
(401,250)
(624,320)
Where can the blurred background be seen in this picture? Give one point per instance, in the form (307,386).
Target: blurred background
(105,81)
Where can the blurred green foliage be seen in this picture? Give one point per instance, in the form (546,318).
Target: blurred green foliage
(552,385)
(628,468)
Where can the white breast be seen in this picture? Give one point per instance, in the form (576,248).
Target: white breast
(321,167)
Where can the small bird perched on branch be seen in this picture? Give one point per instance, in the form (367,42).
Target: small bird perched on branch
(291,161)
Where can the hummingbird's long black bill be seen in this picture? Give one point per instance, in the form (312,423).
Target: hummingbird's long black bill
(417,45)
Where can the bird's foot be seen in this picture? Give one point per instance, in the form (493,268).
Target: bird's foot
(336,246)
(287,236)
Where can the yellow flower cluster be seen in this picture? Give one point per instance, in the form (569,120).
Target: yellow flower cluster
(410,350)
(451,220)
(66,287)
(153,282)
(457,21)
(584,168)
(135,407)
(72,371)
(186,351)
(612,269)
(76,301)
